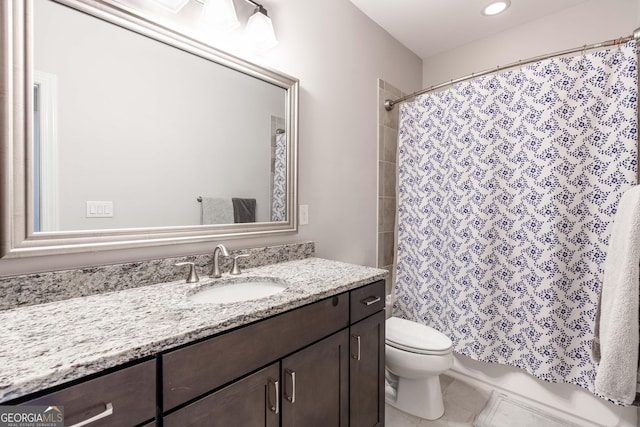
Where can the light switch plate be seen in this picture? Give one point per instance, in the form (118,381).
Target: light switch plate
(303,213)
(99,209)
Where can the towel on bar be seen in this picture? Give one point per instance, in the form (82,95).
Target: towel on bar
(217,210)
(244,210)
(615,345)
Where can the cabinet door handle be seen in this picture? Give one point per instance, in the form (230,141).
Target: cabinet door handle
(274,408)
(357,347)
(370,301)
(291,398)
(107,411)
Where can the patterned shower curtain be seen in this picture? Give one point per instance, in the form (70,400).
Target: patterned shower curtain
(507,189)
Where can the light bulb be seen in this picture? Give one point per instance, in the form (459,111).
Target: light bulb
(260,32)
(220,14)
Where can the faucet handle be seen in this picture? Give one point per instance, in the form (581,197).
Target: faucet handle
(235,270)
(193,275)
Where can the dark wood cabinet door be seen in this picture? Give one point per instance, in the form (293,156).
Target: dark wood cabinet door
(315,385)
(367,372)
(250,402)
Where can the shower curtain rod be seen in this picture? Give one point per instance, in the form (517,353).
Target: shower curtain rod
(389,104)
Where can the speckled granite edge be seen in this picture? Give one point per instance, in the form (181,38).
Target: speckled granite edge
(40,288)
(50,344)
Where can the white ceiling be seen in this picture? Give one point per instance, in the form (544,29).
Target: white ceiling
(428,27)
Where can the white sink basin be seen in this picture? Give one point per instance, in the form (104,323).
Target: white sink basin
(237,289)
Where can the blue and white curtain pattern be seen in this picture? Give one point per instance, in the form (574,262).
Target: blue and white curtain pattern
(279,184)
(507,189)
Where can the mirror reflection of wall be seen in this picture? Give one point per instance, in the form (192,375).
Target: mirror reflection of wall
(36,157)
(148,128)
(45,152)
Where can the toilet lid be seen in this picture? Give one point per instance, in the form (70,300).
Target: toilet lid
(416,337)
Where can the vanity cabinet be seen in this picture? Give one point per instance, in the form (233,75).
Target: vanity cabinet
(197,369)
(309,347)
(309,387)
(325,368)
(317,365)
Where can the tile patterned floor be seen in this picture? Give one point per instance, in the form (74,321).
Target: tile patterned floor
(461,405)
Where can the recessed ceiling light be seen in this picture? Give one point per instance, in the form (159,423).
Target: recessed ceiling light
(496,7)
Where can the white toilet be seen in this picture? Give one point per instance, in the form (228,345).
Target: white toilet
(416,355)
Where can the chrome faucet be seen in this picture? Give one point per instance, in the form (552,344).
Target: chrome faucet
(215,263)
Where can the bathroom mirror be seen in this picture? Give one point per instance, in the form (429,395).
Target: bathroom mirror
(120,132)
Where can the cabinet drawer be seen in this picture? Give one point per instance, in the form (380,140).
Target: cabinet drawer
(130,392)
(367,300)
(194,370)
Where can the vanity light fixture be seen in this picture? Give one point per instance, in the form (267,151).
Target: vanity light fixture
(221,14)
(496,7)
(259,30)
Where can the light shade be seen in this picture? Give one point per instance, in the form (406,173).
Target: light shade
(172,5)
(220,14)
(496,7)
(260,32)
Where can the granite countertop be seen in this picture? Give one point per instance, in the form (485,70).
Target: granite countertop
(49,344)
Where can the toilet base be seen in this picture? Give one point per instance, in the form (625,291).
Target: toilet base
(419,397)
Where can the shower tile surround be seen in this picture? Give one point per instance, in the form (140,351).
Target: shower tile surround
(387,155)
(54,343)
(40,288)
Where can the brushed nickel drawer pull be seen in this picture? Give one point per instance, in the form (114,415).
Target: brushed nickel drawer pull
(292,374)
(370,301)
(275,408)
(108,411)
(357,355)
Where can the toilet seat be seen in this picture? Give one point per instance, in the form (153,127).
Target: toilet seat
(415,337)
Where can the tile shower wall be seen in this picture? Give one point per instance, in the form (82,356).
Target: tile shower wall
(387,154)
